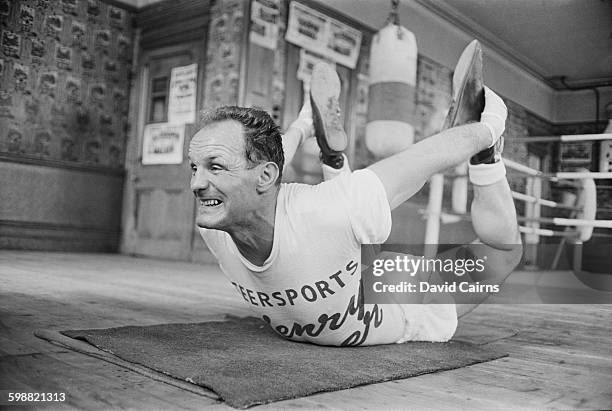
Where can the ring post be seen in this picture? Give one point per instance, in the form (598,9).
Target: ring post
(434,210)
(533,210)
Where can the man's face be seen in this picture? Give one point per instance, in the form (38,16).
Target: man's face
(221,180)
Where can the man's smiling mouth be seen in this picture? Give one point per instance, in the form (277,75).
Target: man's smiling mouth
(211,203)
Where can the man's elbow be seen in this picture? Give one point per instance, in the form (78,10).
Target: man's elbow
(501,260)
(510,258)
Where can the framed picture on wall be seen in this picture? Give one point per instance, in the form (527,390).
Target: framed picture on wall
(579,152)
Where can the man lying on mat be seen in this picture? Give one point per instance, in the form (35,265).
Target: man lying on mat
(293,250)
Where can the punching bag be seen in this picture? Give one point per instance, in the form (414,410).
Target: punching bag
(391,99)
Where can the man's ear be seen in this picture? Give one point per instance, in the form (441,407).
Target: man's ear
(268,175)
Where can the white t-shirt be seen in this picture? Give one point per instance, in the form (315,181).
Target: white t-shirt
(309,287)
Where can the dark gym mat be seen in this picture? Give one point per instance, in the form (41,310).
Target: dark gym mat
(246,363)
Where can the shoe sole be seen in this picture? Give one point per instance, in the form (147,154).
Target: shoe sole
(324,98)
(468,98)
(468,88)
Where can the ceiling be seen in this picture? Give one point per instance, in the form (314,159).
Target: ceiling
(547,38)
(550,38)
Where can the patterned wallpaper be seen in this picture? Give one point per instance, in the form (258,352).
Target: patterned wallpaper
(278,73)
(225,36)
(64,71)
(362,157)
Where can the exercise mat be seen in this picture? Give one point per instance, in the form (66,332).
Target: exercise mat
(246,363)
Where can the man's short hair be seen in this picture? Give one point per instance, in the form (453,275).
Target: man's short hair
(262,137)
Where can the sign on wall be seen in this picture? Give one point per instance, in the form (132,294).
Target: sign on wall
(162,143)
(323,35)
(182,96)
(265,16)
(575,156)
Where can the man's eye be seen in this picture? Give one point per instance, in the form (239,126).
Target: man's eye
(216,167)
(194,168)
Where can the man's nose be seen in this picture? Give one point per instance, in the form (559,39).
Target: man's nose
(200,181)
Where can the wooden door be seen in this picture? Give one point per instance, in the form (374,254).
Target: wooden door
(159,207)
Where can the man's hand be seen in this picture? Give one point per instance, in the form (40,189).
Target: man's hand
(494,115)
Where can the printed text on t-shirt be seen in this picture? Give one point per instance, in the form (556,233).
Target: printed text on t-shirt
(308,292)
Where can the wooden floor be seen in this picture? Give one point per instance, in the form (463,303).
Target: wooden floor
(561,357)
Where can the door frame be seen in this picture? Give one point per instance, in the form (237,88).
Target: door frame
(138,115)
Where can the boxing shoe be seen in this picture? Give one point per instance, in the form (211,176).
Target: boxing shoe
(489,155)
(493,116)
(324,99)
(472,101)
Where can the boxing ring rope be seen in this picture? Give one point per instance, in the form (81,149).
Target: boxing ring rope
(561,139)
(544,232)
(535,200)
(571,222)
(540,201)
(567,175)
(562,175)
(449,217)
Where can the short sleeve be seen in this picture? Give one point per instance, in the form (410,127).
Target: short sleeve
(369,210)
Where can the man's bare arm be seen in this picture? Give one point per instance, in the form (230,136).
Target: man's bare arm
(404,173)
(299,131)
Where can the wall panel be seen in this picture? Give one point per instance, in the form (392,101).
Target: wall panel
(64,80)
(58,208)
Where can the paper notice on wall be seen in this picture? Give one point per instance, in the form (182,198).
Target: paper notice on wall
(343,43)
(578,152)
(323,35)
(306,28)
(265,16)
(182,96)
(264,35)
(162,143)
(308,60)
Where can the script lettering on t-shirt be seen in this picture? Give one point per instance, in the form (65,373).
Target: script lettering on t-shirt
(355,307)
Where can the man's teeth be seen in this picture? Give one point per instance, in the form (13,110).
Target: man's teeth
(211,202)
